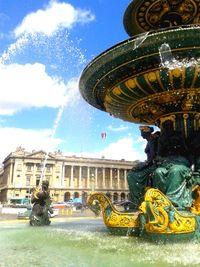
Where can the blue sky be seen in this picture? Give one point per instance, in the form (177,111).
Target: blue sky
(44,47)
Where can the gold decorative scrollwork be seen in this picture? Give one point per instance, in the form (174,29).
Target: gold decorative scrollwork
(112,217)
(196,203)
(171,118)
(35,192)
(162,217)
(197,122)
(155,14)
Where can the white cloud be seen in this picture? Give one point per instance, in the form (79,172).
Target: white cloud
(126,148)
(26,86)
(11,138)
(118,129)
(49,20)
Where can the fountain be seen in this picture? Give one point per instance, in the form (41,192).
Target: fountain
(153,78)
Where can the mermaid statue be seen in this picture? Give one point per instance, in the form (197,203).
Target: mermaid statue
(41,205)
(167,168)
(140,177)
(173,174)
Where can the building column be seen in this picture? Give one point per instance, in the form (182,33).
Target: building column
(80,177)
(96,181)
(118,181)
(62,175)
(125,180)
(111,197)
(88,177)
(92,185)
(72,177)
(111,178)
(11,180)
(33,176)
(104,181)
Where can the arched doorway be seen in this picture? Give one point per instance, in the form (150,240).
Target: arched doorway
(76,195)
(67,196)
(115,197)
(108,195)
(123,196)
(84,198)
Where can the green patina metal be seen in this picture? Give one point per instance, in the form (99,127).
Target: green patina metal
(142,16)
(153,78)
(146,91)
(41,205)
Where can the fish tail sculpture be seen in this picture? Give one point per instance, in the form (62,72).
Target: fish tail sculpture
(113,219)
(162,217)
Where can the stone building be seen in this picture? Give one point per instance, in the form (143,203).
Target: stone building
(69,177)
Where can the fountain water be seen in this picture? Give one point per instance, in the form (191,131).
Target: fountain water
(53,132)
(53,52)
(166,55)
(14,48)
(49,51)
(86,243)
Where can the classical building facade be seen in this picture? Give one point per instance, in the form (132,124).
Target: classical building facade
(69,177)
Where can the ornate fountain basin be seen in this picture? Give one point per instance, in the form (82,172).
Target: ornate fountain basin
(151,78)
(130,82)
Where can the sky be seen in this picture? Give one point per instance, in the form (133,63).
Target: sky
(44,47)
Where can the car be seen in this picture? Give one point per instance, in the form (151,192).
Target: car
(20,202)
(25,215)
(58,205)
(54,213)
(69,203)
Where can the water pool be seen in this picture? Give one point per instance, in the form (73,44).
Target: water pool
(86,243)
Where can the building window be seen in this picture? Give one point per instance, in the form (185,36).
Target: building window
(38,167)
(48,168)
(28,180)
(67,171)
(37,180)
(115,197)
(19,167)
(57,168)
(29,167)
(47,178)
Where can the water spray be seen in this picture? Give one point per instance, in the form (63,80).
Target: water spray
(55,126)
(13,48)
